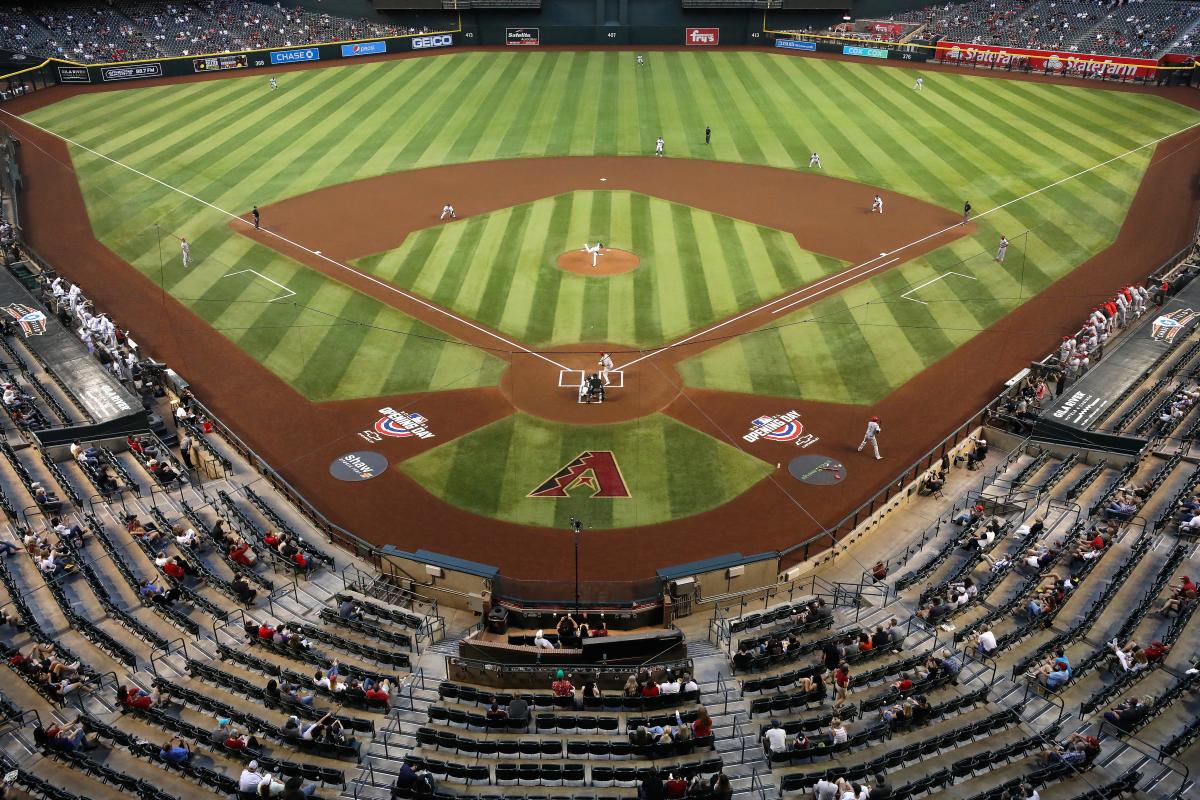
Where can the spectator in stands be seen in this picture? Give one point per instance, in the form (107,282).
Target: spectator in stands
(721,788)
(826,789)
(71,533)
(837,732)
(675,787)
(933,483)
(147,533)
(632,689)
(651,787)
(841,684)
(701,725)
(518,709)
(1052,676)
(561,686)
(813,685)
(243,554)
(347,609)
(66,738)
(1128,715)
(186,537)
(45,500)
(775,738)
(134,698)
(175,751)
(220,733)
(985,641)
(153,593)
(250,778)
(541,642)
(968,517)
(1183,596)
(689,684)
(495,712)
(291,728)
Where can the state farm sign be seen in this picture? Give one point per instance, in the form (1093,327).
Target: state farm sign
(1080,65)
(701,37)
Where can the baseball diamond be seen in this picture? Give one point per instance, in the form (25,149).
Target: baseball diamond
(759,286)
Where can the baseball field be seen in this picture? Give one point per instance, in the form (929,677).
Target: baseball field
(762,285)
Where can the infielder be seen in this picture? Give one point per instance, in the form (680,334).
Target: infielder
(186,249)
(658,146)
(920,84)
(1001,250)
(966,212)
(877,204)
(448,211)
(274,83)
(815,161)
(594,250)
(872,429)
(606,363)
(257,218)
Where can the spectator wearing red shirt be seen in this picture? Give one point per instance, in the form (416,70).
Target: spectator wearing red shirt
(675,788)
(904,684)
(562,687)
(650,690)
(841,684)
(1155,651)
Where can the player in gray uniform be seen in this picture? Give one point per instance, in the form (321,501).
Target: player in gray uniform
(873,428)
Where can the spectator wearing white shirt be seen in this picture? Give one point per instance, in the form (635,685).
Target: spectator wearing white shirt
(541,642)
(250,778)
(775,738)
(985,641)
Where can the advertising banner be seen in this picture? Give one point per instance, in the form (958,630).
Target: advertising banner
(425,42)
(865,52)
(1077,64)
(293,56)
(886,28)
(363,49)
(522,37)
(701,37)
(795,44)
(131,72)
(218,63)
(74,75)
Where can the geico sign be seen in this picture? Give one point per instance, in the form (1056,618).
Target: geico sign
(423,42)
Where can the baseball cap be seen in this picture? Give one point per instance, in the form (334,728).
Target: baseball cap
(253,765)
(559,674)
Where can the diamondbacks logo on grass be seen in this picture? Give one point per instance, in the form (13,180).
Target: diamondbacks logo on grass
(784,427)
(32,321)
(592,471)
(1168,327)
(398,425)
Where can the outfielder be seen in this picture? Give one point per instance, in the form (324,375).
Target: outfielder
(448,211)
(186,249)
(877,204)
(920,84)
(966,212)
(641,61)
(606,363)
(1002,250)
(594,250)
(658,146)
(815,161)
(274,83)
(872,429)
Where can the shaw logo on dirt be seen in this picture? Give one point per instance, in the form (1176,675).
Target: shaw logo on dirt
(32,321)
(784,427)
(593,471)
(399,425)
(1168,327)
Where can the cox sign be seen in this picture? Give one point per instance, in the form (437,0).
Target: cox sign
(441,40)
(292,56)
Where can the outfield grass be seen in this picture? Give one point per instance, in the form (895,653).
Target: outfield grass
(696,267)
(234,143)
(670,469)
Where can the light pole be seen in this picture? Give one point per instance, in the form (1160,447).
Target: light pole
(577,529)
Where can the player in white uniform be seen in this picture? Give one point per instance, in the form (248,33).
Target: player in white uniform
(872,429)
(1002,249)
(920,84)
(877,204)
(186,249)
(658,146)
(448,211)
(606,363)
(641,61)
(815,161)
(594,250)
(274,83)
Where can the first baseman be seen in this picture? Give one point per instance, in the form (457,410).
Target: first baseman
(872,429)
(1002,249)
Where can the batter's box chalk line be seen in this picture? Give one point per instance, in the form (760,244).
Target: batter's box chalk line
(933,280)
(574,378)
(290,293)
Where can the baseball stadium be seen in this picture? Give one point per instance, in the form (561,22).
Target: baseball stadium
(562,400)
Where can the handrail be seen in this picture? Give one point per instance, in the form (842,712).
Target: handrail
(279,592)
(1156,752)
(220,625)
(166,651)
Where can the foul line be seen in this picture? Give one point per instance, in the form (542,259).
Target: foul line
(933,280)
(902,248)
(290,293)
(318,254)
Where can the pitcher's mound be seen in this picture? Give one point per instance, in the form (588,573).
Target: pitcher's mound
(610,262)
